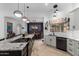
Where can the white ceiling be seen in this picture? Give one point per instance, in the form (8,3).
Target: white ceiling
(35,9)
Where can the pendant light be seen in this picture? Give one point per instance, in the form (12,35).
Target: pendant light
(27,21)
(57,16)
(17,12)
(55,10)
(24,18)
(27,15)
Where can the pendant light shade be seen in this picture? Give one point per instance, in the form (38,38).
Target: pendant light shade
(24,18)
(18,13)
(58,17)
(27,21)
(27,15)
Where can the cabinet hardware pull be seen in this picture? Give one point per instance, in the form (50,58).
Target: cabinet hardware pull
(50,39)
(70,44)
(78,43)
(78,47)
(70,49)
(70,40)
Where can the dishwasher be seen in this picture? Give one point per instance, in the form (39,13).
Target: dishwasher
(61,43)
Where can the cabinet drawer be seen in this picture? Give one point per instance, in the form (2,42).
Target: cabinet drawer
(77,44)
(70,50)
(70,40)
(70,43)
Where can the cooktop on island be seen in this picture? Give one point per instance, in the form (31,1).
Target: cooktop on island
(20,40)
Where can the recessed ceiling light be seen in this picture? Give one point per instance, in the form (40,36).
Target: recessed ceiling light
(46,4)
(27,6)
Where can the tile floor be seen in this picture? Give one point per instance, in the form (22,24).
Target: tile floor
(41,49)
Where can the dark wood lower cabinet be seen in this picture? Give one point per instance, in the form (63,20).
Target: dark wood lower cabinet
(14,53)
(29,48)
(26,51)
(10,53)
(22,52)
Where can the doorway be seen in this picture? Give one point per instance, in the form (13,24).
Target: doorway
(36,28)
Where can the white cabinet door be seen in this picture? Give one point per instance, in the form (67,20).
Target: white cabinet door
(53,41)
(76,48)
(71,46)
(70,50)
(47,40)
(50,40)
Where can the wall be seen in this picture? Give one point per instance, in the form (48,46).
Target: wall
(15,21)
(71,21)
(36,19)
(7,10)
(71,12)
(4,11)
(74,20)
(17,25)
(1,27)
(46,19)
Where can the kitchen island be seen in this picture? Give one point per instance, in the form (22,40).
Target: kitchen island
(17,46)
(13,49)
